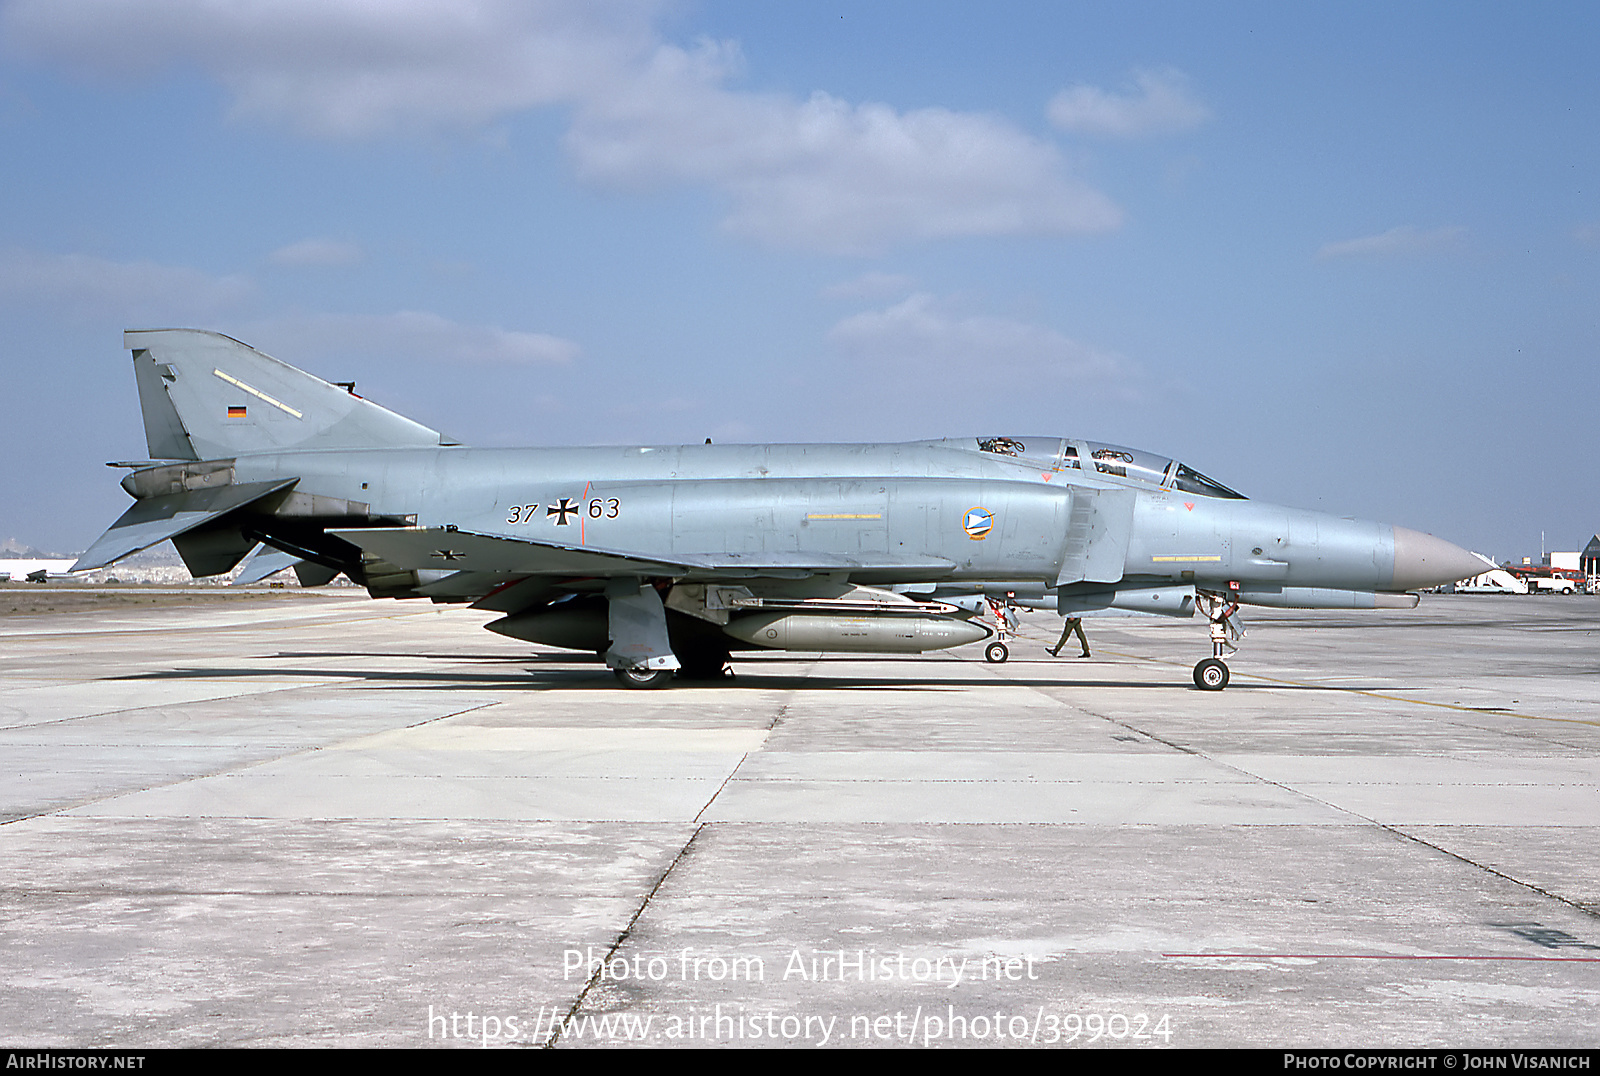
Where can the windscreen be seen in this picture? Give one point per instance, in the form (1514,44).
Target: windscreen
(1191,481)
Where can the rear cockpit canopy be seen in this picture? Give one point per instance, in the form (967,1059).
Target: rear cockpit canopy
(1097,458)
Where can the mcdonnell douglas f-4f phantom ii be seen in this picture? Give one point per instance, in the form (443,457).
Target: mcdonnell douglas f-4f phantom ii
(669,559)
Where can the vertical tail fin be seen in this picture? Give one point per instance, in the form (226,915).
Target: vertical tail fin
(207,396)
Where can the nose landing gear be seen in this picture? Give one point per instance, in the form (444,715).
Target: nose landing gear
(1212,673)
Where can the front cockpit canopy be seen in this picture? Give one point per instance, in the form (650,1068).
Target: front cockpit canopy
(1098,458)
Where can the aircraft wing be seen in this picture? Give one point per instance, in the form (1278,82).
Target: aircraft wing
(155,519)
(464,551)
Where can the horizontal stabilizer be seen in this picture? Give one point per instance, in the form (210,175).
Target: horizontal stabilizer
(435,547)
(156,519)
(264,562)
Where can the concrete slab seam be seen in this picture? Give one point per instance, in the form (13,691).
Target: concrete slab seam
(207,776)
(1393,830)
(627,931)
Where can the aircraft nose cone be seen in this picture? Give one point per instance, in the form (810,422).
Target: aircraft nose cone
(1421,560)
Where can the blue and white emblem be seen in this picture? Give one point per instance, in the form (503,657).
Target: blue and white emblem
(978,524)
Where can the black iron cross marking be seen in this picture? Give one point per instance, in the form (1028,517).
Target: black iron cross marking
(448,554)
(566,508)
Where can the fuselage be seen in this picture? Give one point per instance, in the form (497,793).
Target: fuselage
(994,517)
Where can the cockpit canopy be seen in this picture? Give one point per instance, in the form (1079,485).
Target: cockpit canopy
(1065,454)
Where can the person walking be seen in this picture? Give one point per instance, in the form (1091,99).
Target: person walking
(1074,624)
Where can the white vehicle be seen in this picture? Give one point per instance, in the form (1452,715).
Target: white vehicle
(1542,584)
(33,570)
(1498,581)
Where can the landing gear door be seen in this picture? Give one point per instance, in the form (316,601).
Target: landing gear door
(1098,529)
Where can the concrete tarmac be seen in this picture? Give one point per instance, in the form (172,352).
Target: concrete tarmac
(317,819)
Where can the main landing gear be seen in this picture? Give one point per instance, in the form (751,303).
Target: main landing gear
(643,679)
(1212,673)
(640,653)
(695,663)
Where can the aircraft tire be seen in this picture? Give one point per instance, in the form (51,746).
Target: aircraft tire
(996,653)
(644,679)
(1211,675)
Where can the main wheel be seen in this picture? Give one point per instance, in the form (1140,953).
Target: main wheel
(996,653)
(644,678)
(1211,675)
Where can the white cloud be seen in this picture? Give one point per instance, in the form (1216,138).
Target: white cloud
(1162,103)
(924,337)
(141,291)
(316,252)
(827,175)
(414,334)
(352,67)
(820,174)
(1406,239)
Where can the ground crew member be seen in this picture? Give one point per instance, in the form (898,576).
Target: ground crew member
(1074,624)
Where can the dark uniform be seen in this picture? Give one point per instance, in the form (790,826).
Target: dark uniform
(1074,624)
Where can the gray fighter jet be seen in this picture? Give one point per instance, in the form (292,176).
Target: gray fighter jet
(669,559)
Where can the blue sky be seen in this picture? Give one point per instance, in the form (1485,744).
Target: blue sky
(1341,256)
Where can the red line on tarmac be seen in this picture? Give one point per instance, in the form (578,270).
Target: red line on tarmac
(1380,956)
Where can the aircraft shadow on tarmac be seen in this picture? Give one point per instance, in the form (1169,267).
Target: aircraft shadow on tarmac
(745,678)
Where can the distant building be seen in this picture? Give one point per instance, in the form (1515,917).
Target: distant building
(1561,572)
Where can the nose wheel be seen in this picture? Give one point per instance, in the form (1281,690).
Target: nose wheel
(996,653)
(1211,675)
